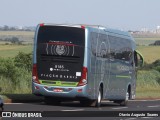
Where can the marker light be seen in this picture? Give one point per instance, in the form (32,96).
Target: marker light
(83,80)
(41,24)
(83,27)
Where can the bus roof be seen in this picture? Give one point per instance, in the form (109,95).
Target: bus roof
(115,31)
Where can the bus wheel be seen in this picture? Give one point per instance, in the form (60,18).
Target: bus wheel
(1,107)
(124,102)
(99,98)
(51,101)
(93,103)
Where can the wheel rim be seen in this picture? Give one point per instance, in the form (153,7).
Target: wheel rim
(99,97)
(127,96)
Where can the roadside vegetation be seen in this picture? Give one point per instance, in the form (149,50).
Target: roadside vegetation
(16,69)
(15,74)
(150,53)
(10,51)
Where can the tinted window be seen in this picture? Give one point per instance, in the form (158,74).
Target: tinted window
(60,53)
(61,34)
(120,48)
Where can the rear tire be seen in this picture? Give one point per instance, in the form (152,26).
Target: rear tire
(99,98)
(93,103)
(125,102)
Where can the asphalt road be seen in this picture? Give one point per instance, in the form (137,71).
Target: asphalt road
(68,109)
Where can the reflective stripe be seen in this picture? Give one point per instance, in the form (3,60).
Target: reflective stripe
(58,83)
(121,76)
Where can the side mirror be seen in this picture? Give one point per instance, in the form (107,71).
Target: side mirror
(139,60)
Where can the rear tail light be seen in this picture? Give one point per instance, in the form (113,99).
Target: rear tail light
(83,27)
(83,80)
(41,24)
(34,74)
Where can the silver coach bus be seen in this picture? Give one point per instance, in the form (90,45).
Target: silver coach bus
(85,63)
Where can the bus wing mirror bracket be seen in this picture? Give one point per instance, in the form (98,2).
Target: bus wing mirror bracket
(139,59)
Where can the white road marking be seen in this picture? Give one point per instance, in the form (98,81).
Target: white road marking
(120,108)
(134,100)
(147,117)
(130,119)
(154,106)
(146,100)
(13,103)
(104,101)
(74,110)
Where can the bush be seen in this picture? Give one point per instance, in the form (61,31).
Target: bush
(148,79)
(22,84)
(15,74)
(8,69)
(154,66)
(23,60)
(156,63)
(157,68)
(6,86)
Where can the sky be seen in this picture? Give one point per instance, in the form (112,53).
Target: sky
(120,14)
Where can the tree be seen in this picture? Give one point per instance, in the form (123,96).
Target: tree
(5,28)
(14,40)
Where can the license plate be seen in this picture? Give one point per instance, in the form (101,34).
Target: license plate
(58,90)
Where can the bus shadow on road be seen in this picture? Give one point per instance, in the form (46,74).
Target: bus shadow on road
(78,104)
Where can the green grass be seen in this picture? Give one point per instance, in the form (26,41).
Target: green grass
(15,33)
(148,94)
(148,80)
(150,53)
(25,36)
(146,40)
(12,50)
(148,84)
